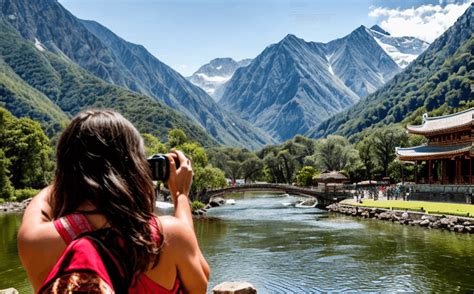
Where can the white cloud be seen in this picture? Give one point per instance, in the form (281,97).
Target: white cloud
(426,22)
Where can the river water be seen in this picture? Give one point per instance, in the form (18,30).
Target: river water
(282,249)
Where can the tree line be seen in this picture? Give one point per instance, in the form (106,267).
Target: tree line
(27,158)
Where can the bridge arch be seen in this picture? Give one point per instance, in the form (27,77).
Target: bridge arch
(323,197)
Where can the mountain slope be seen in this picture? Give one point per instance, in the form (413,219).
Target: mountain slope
(294,85)
(213,76)
(50,88)
(114,60)
(442,75)
(286,89)
(402,50)
(360,62)
(165,84)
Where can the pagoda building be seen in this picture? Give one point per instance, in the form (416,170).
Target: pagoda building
(446,158)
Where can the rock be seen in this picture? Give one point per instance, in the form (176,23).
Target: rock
(385,216)
(444,221)
(466,223)
(217,201)
(9,291)
(199,212)
(424,223)
(234,288)
(405,215)
(452,219)
(458,228)
(415,222)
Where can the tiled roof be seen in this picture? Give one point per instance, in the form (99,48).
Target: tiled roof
(445,122)
(331,175)
(424,151)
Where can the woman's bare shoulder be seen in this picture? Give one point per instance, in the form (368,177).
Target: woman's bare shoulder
(176,233)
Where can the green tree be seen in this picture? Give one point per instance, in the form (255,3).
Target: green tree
(153,145)
(6,189)
(334,153)
(207,178)
(196,153)
(251,168)
(305,176)
(384,142)
(28,150)
(366,156)
(176,137)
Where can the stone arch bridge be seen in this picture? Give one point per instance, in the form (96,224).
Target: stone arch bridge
(324,197)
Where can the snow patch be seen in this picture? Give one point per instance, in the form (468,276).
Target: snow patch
(12,17)
(330,69)
(402,59)
(214,79)
(403,50)
(219,67)
(39,46)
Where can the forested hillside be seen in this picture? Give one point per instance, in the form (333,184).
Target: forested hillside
(439,81)
(50,88)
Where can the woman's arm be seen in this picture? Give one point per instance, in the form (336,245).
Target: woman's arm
(190,254)
(38,241)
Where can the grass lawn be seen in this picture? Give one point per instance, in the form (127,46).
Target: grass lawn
(428,207)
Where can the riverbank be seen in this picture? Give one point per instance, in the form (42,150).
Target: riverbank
(460,224)
(7,207)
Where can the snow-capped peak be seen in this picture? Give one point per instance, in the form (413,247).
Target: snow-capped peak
(403,50)
(213,76)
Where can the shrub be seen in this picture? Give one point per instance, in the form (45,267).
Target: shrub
(22,194)
(2,200)
(196,205)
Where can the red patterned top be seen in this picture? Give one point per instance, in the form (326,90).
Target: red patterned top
(70,226)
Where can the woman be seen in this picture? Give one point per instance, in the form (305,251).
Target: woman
(102,174)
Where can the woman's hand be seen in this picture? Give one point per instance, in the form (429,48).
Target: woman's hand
(179,184)
(180,180)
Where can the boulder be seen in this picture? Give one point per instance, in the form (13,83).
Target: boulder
(405,215)
(425,222)
(458,228)
(444,221)
(216,201)
(9,291)
(234,288)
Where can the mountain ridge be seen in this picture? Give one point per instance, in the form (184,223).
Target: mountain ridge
(119,62)
(295,79)
(436,79)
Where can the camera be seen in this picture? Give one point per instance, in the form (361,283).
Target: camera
(160,167)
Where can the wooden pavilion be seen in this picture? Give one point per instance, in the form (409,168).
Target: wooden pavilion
(446,158)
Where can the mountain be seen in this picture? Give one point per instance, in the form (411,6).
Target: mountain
(439,81)
(294,85)
(107,56)
(51,88)
(402,50)
(213,76)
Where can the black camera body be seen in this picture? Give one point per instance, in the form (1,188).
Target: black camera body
(160,167)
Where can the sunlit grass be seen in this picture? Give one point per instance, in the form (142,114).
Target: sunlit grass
(428,207)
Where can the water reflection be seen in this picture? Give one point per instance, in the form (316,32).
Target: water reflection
(12,273)
(286,249)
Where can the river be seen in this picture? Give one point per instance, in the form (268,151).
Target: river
(286,249)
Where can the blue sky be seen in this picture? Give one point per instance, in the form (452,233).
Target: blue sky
(186,34)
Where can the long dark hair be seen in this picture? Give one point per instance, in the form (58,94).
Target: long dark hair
(101,160)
